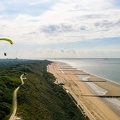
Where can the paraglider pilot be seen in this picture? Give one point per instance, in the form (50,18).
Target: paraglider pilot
(5,54)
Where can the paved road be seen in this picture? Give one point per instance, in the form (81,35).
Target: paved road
(13,116)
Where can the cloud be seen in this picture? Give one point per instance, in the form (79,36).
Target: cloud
(62,51)
(60,21)
(71,52)
(94,16)
(57,28)
(108,24)
(77,20)
(50,28)
(32,22)
(83,28)
(78,53)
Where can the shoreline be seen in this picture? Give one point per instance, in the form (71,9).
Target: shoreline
(93,75)
(76,88)
(102,77)
(68,63)
(90,74)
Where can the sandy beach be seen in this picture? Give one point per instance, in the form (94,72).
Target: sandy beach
(97,97)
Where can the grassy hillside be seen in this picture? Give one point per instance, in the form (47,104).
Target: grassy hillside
(39,98)
(9,80)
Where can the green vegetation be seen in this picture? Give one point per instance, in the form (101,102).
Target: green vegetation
(39,98)
(9,80)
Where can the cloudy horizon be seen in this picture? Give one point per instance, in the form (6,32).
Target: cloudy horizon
(60,28)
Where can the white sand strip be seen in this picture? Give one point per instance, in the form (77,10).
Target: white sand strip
(94,88)
(83,77)
(114,103)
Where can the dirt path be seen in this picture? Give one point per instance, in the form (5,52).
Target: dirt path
(94,107)
(13,116)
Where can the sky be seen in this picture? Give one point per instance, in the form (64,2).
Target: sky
(60,28)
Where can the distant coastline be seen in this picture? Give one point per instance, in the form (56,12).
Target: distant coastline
(98,98)
(107,69)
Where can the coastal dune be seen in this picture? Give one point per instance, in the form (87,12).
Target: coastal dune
(96,96)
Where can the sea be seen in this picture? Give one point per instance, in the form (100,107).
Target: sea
(108,68)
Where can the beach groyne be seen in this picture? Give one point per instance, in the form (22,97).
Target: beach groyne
(94,95)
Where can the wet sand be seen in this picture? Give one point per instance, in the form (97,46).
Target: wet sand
(84,88)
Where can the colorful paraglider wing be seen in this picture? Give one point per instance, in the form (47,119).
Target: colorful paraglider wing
(7,39)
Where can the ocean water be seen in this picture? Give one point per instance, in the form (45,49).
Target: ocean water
(103,67)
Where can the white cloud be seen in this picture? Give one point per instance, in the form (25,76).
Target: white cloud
(74,53)
(66,21)
(58,21)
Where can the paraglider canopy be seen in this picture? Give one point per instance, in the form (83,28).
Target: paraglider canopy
(7,39)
